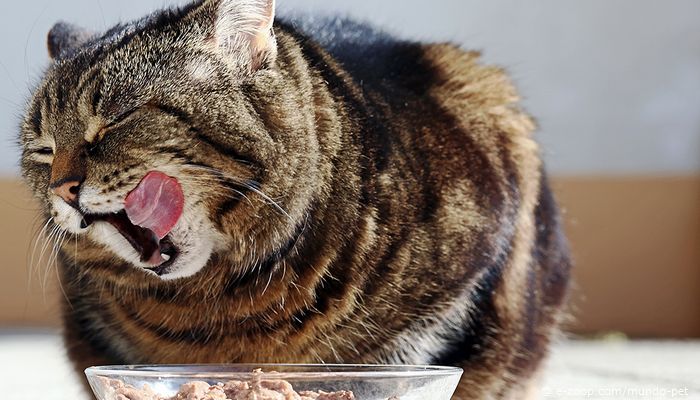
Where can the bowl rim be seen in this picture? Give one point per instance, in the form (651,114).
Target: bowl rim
(245,371)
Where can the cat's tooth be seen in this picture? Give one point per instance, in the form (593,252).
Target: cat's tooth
(166,257)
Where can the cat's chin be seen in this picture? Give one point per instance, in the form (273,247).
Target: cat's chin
(192,257)
(183,266)
(189,251)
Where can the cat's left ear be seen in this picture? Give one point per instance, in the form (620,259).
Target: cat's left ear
(64,37)
(243,32)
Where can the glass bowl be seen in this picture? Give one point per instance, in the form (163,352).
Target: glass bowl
(366,382)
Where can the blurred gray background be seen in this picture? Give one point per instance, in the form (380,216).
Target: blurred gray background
(614,84)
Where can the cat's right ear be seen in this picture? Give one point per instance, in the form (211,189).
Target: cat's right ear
(243,32)
(64,37)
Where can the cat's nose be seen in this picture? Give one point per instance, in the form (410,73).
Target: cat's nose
(67,189)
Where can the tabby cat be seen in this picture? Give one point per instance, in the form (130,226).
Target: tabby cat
(237,188)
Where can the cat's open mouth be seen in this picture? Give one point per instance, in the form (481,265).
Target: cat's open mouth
(151,211)
(160,253)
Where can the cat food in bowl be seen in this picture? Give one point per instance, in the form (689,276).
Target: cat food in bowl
(273,382)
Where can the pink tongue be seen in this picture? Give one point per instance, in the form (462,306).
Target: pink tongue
(156,203)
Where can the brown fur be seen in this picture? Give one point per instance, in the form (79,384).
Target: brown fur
(419,227)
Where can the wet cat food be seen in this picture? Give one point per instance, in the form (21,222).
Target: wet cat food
(255,389)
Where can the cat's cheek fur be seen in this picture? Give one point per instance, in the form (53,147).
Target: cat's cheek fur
(65,216)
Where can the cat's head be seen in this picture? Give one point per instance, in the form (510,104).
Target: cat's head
(201,102)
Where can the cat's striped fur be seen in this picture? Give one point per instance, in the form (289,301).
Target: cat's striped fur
(412,220)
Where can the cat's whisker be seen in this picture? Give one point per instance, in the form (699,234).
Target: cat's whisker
(205,181)
(36,232)
(269,280)
(269,199)
(75,252)
(58,274)
(33,267)
(26,45)
(246,184)
(47,242)
(14,83)
(40,246)
(53,260)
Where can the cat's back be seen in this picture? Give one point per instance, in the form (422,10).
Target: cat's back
(454,79)
(363,51)
(453,122)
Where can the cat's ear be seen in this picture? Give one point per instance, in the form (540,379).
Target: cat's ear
(243,32)
(64,37)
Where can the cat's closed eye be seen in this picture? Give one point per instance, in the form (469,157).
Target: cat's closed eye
(42,154)
(44,151)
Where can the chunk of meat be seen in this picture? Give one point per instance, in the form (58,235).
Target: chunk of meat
(255,389)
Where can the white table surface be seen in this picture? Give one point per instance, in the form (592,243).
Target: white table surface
(576,370)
